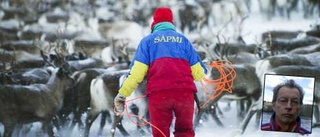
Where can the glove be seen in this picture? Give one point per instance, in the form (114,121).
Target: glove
(119,101)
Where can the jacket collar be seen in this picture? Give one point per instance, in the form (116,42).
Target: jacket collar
(163,26)
(275,126)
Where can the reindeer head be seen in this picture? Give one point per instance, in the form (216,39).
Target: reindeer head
(56,60)
(120,51)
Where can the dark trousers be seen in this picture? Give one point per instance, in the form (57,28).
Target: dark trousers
(163,105)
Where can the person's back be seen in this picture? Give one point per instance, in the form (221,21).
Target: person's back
(170,56)
(171,65)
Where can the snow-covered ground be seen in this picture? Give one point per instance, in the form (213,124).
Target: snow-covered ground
(208,129)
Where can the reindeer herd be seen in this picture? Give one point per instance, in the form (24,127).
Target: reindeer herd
(59,67)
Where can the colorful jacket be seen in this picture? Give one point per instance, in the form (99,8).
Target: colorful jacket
(273,126)
(168,60)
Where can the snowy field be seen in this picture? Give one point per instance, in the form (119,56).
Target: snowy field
(208,129)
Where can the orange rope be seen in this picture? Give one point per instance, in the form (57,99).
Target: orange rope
(140,117)
(222,84)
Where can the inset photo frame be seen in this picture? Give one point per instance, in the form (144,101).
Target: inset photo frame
(288,103)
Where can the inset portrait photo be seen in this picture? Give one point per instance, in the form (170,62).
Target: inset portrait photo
(287,104)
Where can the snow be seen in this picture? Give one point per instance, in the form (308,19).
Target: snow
(208,129)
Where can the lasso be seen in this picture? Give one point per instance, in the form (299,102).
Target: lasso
(222,84)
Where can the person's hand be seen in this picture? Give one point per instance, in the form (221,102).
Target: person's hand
(119,101)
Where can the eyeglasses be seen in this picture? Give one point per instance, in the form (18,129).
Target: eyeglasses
(285,101)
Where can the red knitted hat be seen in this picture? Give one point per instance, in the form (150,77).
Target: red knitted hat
(162,14)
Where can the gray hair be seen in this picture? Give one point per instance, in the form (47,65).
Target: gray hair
(290,84)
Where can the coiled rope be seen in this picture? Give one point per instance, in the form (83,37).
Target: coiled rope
(223,84)
(126,113)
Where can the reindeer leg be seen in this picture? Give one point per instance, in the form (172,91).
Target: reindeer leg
(117,123)
(148,119)
(197,118)
(104,116)
(219,110)
(246,120)
(258,116)
(81,111)
(73,123)
(8,129)
(18,130)
(316,116)
(135,110)
(50,130)
(248,117)
(23,130)
(61,122)
(214,115)
(141,131)
(57,121)
(76,119)
(90,118)
(228,107)
(120,126)
(243,108)
(240,109)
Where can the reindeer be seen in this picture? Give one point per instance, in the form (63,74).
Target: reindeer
(282,34)
(188,15)
(81,96)
(306,50)
(314,29)
(242,58)
(22,72)
(103,90)
(116,30)
(310,7)
(16,55)
(237,52)
(24,45)
(92,48)
(75,65)
(32,76)
(78,100)
(271,62)
(244,94)
(287,64)
(285,7)
(138,105)
(267,7)
(246,87)
(83,78)
(277,45)
(36,102)
(9,29)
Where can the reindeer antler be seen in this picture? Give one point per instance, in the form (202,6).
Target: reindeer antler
(124,46)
